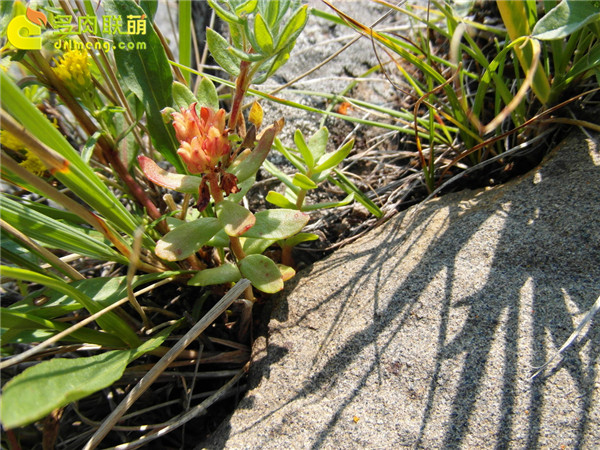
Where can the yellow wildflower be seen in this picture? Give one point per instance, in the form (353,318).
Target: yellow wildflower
(9,141)
(31,162)
(73,69)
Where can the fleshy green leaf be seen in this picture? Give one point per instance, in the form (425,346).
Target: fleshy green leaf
(277,224)
(303,182)
(262,272)
(346,201)
(252,163)
(287,272)
(307,155)
(566,18)
(329,161)
(253,246)
(218,47)
(219,240)
(187,238)
(145,70)
(299,238)
(188,184)
(280,200)
(318,143)
(227,273)
(234,218)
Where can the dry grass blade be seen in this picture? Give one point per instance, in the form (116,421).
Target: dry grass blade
(186,417)
(588,317)
(164,362)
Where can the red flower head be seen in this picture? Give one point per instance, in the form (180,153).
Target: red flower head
(203,139)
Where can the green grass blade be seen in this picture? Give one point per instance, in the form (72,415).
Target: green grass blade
(185,36)
(54,233)
(16,322)
(110,322)
(78,176)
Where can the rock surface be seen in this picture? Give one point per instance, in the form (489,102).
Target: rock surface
(425,332)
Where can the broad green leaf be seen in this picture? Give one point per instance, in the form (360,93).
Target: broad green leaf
(293,28)
(55,234)
(150,7)
(52,384)
(263,34)
(303,182)
(187,239)
(218,47)
(145,70)
(109,322)
(318,143)
(14,321)
(280,200)
(262,272)
(307,155)
(277,224)
(188,184)
(234,218)
(249,166)
(566,18)
(329,161)
(207,94)
(227,273)
(182,96)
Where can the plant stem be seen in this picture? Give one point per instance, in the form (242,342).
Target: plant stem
(300,199)
(234,241)
(241,86)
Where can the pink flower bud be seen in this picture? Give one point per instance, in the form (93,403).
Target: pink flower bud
(203,139)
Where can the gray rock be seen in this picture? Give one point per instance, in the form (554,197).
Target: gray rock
(425,332)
